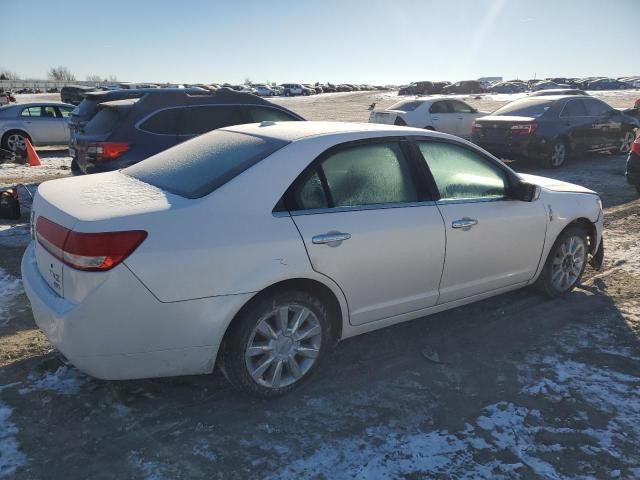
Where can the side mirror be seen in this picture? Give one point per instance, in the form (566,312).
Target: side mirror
(526,192)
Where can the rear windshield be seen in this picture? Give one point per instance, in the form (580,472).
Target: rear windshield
(197,167)
(86,109)
(525,108)
(103,122)
(406,106)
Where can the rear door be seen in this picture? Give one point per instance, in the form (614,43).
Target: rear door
(63,114)
(463,117)
(492,242)
(575,119)
(367,224)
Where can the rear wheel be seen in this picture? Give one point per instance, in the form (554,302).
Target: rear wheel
(565,264)
(557,154)
(276,343)
(624,144)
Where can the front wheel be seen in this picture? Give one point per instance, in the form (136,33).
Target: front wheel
(565,264)
(276,343)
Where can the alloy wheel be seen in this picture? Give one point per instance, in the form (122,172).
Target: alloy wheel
(284,346)
(568,263)
(558,154)
(625,142)
(16,142)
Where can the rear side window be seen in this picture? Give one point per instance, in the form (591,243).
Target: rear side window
(459,107)
(356,176)
(261,114)
(534,107)
(104,121)
(197,167)
(201,119)
(439,107)
(462,174)
(164,122)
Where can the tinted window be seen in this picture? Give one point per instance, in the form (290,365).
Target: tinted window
(65,112)
(197,120)
(197,167)
(533,107)
(104,121)
(164,122)
(407,106)
(361,175)
(462,174)
(459,107)
(596,107)
(31,112)
(574,108)
(439,107)
(261,114)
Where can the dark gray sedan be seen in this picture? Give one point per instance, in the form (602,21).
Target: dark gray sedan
(43,123)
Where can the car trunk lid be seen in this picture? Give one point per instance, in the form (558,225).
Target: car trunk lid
(386,117)
(498,128)
(96,204)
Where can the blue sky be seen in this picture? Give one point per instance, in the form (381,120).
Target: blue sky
(367,41)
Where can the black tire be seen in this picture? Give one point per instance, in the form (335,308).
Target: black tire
(555,159)
(6,136)
(546,280)
(287,93)
(233,362)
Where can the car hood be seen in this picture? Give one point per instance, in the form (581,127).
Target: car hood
(555,185)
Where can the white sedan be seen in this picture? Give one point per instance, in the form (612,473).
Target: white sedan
(264,91)
(442,114)
(256,247)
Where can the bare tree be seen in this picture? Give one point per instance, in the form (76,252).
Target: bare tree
(94,78)
(6,74)
(247,81)
(61,74)
(111,78)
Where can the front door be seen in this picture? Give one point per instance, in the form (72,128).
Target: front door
(42,124)
(492,241)
(367,226)
(442,118)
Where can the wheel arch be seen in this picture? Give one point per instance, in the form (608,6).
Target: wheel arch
(588,226)
(10,130)
(334,300)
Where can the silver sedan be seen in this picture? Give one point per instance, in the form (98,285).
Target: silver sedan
(43,123)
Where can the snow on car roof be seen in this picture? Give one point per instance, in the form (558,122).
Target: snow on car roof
(291,131)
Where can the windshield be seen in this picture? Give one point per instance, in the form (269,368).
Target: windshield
(406,106)
(196,168)
(525,108)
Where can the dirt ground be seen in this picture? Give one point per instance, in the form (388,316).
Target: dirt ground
(525,387)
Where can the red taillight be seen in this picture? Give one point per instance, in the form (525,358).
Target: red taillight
(635,146)
(524,129)
(92,252)
(102,151)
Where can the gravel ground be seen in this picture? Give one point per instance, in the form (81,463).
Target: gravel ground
(525,388)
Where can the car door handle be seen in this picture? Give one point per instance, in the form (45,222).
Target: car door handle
(464,223)
(335,238)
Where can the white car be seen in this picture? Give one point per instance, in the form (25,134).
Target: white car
(263,91)
(258,246)
(442,114)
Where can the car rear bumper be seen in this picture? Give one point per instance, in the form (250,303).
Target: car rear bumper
(515,148)
(121,331)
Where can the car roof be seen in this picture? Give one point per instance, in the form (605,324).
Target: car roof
(430,99)
(38,104)
(292,131)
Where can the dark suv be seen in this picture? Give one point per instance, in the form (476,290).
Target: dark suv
(126,131)
(74,94)
(465,86)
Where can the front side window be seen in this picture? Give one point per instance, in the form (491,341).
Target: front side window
(262,114)
(64,112)
(460,173)
(361,175)
(459,107)
(201,119)
(31,112)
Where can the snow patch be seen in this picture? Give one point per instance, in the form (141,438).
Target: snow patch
(12,173)
(10,288)
(10,455)
(64,381)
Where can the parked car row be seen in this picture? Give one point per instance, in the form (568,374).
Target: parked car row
(518,86)
(543,127)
